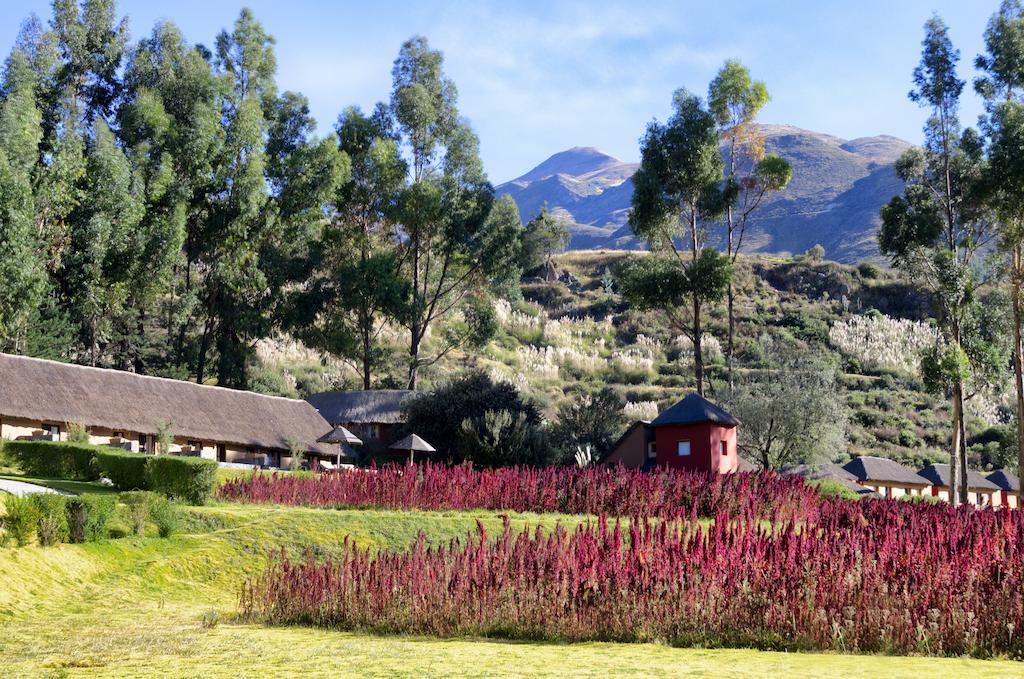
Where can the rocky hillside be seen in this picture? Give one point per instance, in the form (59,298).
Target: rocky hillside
(837,189)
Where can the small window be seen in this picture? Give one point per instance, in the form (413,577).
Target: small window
(725,448)
(116,435)
(195,445)
(651,452)
(683,448)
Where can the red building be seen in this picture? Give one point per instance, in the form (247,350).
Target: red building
(696,435)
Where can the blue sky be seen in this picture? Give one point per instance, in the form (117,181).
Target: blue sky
(538,77)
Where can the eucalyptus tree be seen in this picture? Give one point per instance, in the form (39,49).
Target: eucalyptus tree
(677,194)
(937,226)
(1002,87)
(170,122)
(356,287)
(103,251)
(22,272)
(452,251)
(735,99)
(91,41)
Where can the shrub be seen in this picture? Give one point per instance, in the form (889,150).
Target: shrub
(77,433)
(126,470)
(166,515)
(88,516)
(869,270)
(53,459)
(52,527)
(21,519)
(438,417)
(190,479)
(138,503)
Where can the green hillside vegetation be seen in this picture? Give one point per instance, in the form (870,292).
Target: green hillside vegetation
(575,336)
(144,606)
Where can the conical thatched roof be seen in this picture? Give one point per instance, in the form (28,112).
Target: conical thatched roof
(340,435)
(412,442)
(49,391)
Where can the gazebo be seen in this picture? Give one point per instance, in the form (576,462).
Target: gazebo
(414,444)
(343,437)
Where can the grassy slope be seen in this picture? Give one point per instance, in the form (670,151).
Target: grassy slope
(135,607)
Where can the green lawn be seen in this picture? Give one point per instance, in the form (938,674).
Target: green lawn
(77,487)
(136,607)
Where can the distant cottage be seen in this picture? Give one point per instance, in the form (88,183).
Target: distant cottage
(40,399)
(694,434)
(887,477)
(980,491)
(372,415)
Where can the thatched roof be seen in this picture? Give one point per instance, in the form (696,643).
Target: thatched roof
(413,442)
(48,391)
(340,435)
(870,468)
(375,406)
(1005,479)
(695,409)
(827,472)
(938,475)
(817,472)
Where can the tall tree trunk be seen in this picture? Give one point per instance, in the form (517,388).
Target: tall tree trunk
(729,348)
(140,328)
(1017,272)
(366,354)
(414,356)
(955,471)
(730,294)
(698,354)
(204,347)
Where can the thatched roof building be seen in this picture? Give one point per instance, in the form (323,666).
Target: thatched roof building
(938,475)
(48,391)
(869,468)
(374,406)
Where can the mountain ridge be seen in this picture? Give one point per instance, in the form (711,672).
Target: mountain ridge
(838,188)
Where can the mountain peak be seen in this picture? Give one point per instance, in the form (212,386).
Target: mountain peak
(574,162)
(838,187)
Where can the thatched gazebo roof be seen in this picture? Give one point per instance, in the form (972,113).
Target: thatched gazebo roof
(340,435)
(412,442)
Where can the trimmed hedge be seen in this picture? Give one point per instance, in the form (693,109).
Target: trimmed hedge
(53,459)
(125,469)
(190,479)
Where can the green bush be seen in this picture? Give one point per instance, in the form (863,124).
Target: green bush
(52,527)
(126,470)
(139,503)
(53,459)
(21,519)
(88,516)
(831,488)
(190,479)
(166,515)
